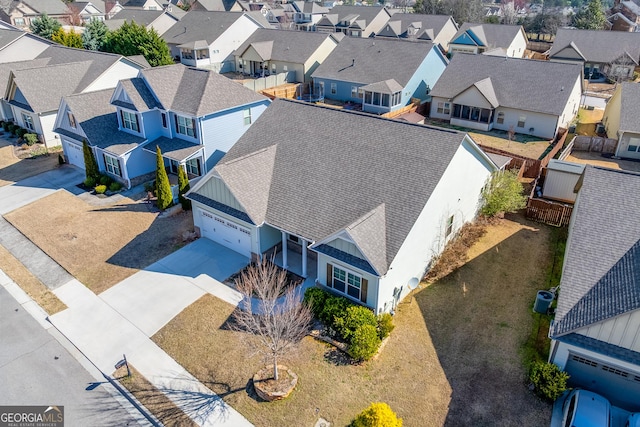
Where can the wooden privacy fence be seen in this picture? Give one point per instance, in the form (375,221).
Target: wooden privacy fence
(529,168)
(289,91)
(548,212)
(595,143)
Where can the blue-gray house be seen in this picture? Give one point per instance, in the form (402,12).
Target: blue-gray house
(380,75)
(195,116)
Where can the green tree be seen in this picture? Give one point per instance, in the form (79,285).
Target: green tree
(90,164)
(592,17)
(377,415)
(163,187)
(95,35)
(133,39)
(183,187)
(70,39)
(503,194)
(44,26)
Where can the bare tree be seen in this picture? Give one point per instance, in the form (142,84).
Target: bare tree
(279,320)
(509,14)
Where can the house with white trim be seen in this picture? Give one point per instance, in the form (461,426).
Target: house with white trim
(354,21)
(18,45)
(438,29)
(510,40)
(621,120)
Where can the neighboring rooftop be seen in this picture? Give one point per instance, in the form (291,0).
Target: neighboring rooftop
(140,17)
(426,26)
(598,46)
(283,45)
(51,7)
(216,5)
(524,84)
(199,25)
(630,108)
(490,35)
(602,264)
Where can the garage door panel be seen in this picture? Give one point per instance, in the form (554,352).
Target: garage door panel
(620,386)
(75,155)
(226,232)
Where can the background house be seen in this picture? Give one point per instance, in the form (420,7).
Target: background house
(341,208)
(595,334)
(356,21)
(379,74)
(527,96)
(438,29)
(603,54)
(621,120)
(624,16)
(480,38)
(19,45)
(304,14)
(19,13)
(159,20)
(216,5)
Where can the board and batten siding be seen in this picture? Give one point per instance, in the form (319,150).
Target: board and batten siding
(457,194)
(346,247)
(623,330)
(216,189)
(121,70)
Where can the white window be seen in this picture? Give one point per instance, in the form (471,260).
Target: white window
(444,108)
(246,113)
(346,282)
(72,119)
(18,22)
(273,68)
(28,121)
(634,145)
(334,88)
(285,68)
(112,165)
(449,228)
(185,126)
(130,121)
(500,118)
(193,166)
(521,121)
(354,91)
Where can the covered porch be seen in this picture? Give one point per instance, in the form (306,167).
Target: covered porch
(195,53)
(381,97)
(472,117)
(291,252)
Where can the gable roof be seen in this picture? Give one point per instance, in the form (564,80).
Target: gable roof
(630,108)
(50,7)
(283,45)
(598,46)
(7,67)
(139,16)
(311,7)
(217,5)
(490,35)
(428,25)
(361,13)
(315,180)
(8,36)
(602,264)
(97,118)
(524,84)
(138,92)
(195,91)
(201,25)
(366,61)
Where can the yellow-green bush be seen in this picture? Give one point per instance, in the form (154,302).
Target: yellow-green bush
(377,415)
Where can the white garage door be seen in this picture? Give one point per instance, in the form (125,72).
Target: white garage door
(75,154)
(226,232)
(620,386)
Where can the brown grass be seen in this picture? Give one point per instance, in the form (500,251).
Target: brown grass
(596,159)
(99,246)
(453,358)
(532,148)
(29,283)
(13,169)
(152,399)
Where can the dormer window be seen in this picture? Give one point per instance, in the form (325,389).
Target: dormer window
(130,121)
(72,119)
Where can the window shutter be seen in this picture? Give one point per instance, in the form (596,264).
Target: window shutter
(330,275)
(193,124)
(104,159)
(119,168)
(121,118)
(175,118)
(363,290)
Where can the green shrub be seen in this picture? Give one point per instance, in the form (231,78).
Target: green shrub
(334,306)
(364,343)
(377,415)
(31,138)
(115,186)
(549,381)
(183,188)
(150,187)
(21,132)
(6,126)
(90,182)
(13,127)
(105,180)
(100,189)
(385,325)
(315,299)
(61,160)
(353,318)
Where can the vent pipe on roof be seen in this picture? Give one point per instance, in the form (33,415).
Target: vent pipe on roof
(353,62)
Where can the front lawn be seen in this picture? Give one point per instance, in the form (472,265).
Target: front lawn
(454,358)
(14,168)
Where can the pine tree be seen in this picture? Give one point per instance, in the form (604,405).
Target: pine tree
(163,187)
(592,17)
(95,35)
(183,187)
(133,39)
(90,163)
(44,26)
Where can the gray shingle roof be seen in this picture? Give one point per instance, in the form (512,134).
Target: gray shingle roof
(217,5)
(366,61)
(491,35)
(141,97)
(51,7)
(140,60)
(5,69)
(524,84)
(8,36)
(315,180)
(366,13)
(435,23)
(197,92)
(174,148)
(598,46)
(630,108)
(287,46)
(98,120)
(602,262)
(200,25)
(140,17)
(601,347)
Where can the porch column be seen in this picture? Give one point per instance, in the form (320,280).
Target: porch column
(304,258)
(285,264)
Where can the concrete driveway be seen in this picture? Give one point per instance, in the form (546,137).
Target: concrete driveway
(36,187)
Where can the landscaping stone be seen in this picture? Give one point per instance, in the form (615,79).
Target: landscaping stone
(261,385)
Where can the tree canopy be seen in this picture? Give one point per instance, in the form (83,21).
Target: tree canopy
(592,17)
(133,39)
(70,39)
(95,35)
(45,26)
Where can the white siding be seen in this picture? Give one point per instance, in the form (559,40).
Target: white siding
(518,46)
(223,47)
(623,331)
(573,103)
(434,108)
(23,49)
(446,34)
(457,194)
(376,24)
(623,146)
(121,70)
(544,125)
(318,57)
(559,185)
(163,23)
(47,122)
(472,97)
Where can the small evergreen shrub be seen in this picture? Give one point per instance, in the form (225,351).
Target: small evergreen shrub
(115,186)
(352,319)
(377,415)
(90,182)
(150,187)
(549,381)
(364,343)
(13,127)
(334,306)
(385,325)
(100,189)
(30,138)
(5,126)
(61,160)
(20,132)
(315,299)
(105,180)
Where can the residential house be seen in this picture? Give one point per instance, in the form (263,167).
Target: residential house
(438,29)
(379,74)
(621,120)
(340,209)
(18,45)
(511,94)
(19,13)
(269,51)
(142,4)
(111,8)
(355,21)
(159,20)
(625,16)
(208,39)
(216,5)
(272,12)
(5,72)
(595,334)
(611,54)
(304,14)
(193,115)
(82,12)
(35,93)
(480,38)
